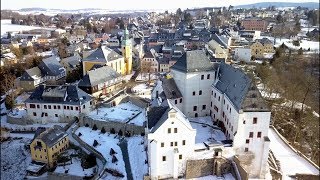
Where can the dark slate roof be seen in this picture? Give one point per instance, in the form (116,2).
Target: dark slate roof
(97,76)
(220,40)
(39,131)
(148,55)
(171,89)
(154,115)
(102,54)
(72,61)
(136,100)
(234,83)
(53,94)
(53,135)
(193,61)
(239,89)
(264,41)
(51,66)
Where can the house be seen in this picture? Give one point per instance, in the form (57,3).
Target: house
(103,79)
(57,103)
(149,62)
(256,24)
(261,47)
(49,71)
(103,56)
(242,54)
(47,145)
(171,140)
(218,47)
(163,64)
(239,109)
(71,63)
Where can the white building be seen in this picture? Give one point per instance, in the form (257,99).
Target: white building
(226,94)
(171,141)
(57,104)
(239,109)
(242,54)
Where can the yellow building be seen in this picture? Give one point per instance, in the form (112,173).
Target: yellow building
(261,47)
(103,56)
(126,47)
(48,145)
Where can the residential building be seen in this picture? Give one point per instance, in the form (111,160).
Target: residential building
(103,55)
(171,141)
(71,63)
(103,80)
(57,104)
(256,24)
(242,54)
(261,47)
(149,62)
(47,145)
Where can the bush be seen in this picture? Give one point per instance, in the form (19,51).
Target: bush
(120,133)
(296,43)
(112,131)
(87,125)
(95,143)
(142,134)
(9,102)
(114,159)
(103,131)
(112,152)
(94,127)
(88,161)
(79,134)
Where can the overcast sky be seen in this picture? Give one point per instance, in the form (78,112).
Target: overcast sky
(127,4)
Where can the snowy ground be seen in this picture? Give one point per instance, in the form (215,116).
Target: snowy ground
(121,113)
(22,98)
(145,77)
(75,168)
(14,159)
(305,44)
(6,26)
(290,162)
(18,113)
(143,90)
(106,142)
(137,156)
(267,94)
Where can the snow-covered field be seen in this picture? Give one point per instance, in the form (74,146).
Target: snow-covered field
(290,162)
(121,113)
(6,26)
(304,44)
(137,156)
(145,77)
(106,142)
(14,159)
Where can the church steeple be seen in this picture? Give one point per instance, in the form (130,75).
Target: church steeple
(127,51)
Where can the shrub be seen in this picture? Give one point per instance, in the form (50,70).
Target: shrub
(142,134)
(120,133)
(79,134)
(87,125)
(112,152)
(88,161)
(296,43)
(94,127)
(95,143)
(114,159)
(112,131)
(103,131)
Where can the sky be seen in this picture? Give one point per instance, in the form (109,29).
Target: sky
(127,4)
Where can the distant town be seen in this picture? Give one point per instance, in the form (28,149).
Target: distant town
(201,93)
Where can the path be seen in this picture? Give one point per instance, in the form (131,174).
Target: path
(290,162)
(124,148)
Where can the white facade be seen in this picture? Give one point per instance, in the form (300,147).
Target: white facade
(242,54)
(170,146)
(195,89)
(55,112)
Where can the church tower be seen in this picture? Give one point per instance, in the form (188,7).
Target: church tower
(126,48)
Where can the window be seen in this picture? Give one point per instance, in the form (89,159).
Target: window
(230,110)
(45,106)
(202,77)
(255,120)
(246,149)
(175,143)
(181,100)
(224,101)
(34,114)
(49,106)
(77,108)
(208,76)
(244,122)
(68,107)
(171,143)
(215,94)
(247,141)
(54,107)
(194,108)
(210,104)
(164,158)
(175,130)
(58,107)
(180,156)
(162,144)
(175,101)
(219,98)
(84,106)
(56,115)
(204,106)
(71,108)
(169,130)
(216,108)
(251,135)
(32,106)
(259,135)
(45,114)
(193,93)
(183,142)
(64,107)
(38,106)
(200,92)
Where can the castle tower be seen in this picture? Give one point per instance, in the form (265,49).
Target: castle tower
(126,48)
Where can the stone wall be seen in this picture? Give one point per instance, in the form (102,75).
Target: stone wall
(243,173)
(199,168)
(108,125)
(19,121)
(59,176)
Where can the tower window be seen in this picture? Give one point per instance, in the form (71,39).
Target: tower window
(164,158)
